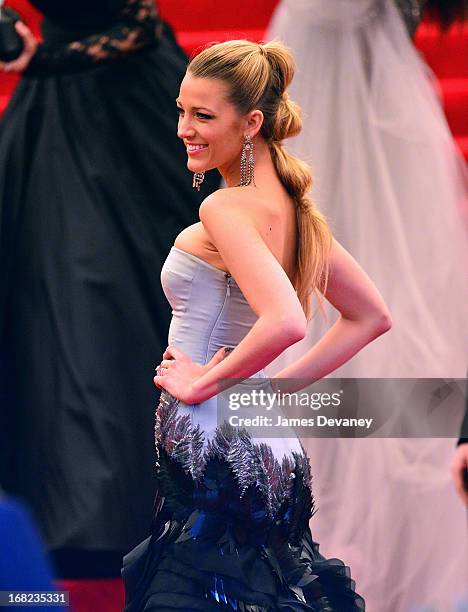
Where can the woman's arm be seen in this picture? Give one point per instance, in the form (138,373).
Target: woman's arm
(136,27)
(281,322)
(363,317)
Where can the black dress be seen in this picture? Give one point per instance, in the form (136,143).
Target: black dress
(93,190)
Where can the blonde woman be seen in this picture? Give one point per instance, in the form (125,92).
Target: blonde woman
(232,512)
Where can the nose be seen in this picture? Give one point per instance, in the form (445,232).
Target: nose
(185,128)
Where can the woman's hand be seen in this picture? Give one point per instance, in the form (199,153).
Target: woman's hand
(30,44)
(459,467)
(177,372)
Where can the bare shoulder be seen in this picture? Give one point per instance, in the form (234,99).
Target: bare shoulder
(232,200)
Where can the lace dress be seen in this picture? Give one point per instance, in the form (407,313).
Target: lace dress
(131,26)
(93,190)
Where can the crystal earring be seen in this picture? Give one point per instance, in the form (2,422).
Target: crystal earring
(198,180)
(247,164)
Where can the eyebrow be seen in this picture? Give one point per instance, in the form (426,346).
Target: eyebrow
(197,107)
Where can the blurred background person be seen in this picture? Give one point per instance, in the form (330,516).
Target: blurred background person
(93,191)
(393,186)
(24,565)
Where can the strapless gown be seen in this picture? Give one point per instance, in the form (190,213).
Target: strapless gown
(231,523)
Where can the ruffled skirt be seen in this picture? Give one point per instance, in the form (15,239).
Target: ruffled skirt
(217,545)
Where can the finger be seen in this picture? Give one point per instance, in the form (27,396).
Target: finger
(166,363)
(25,33)
(7,66)
(30,45)
(159,382)
(460,462)
(217,357)
(174,352)
(463,493)
(458,477)
(14,66)
(19,64)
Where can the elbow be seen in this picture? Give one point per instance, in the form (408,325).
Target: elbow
(284,329)
(292,328)
(382,323)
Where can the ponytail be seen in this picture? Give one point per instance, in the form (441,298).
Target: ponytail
(258,77)
(314,237)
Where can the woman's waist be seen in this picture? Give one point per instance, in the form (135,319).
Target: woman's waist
(202,344)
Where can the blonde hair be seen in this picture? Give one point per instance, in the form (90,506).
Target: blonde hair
(258,76)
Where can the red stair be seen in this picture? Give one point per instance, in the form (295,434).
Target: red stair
(447,55)
(199,22)
(205,22)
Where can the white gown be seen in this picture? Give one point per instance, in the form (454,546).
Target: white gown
(395,191)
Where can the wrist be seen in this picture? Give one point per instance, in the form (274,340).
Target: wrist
(204,389)
(200,391)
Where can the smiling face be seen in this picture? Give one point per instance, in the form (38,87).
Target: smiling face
(210,126)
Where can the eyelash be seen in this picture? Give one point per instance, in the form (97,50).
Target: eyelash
(201,116)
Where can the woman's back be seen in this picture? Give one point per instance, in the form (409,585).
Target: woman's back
(272,212)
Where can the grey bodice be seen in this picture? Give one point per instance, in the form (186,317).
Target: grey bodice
(208,308)
(209,312)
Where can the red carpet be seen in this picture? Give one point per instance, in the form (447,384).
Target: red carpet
(93,595)
(197,23)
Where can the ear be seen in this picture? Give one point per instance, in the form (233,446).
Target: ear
(254,121)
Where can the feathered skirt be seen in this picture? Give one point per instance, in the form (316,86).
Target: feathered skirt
(233,535)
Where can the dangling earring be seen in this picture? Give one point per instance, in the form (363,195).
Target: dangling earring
(247,164)
(198,180)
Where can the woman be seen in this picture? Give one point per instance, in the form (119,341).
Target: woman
(92,194)
(231,523)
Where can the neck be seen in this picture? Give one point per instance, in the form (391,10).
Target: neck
(263,164)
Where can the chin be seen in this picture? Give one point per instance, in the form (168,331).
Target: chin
(195,167)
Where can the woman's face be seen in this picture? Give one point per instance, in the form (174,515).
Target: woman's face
(210,126)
